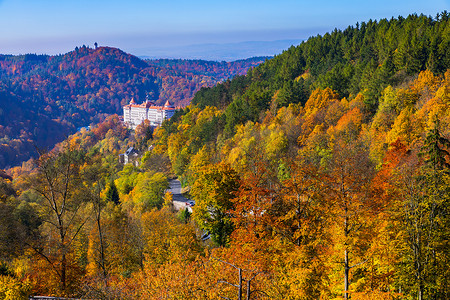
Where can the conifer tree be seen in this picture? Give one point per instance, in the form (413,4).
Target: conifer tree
(113,194)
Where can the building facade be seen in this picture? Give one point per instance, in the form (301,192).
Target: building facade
(134,114)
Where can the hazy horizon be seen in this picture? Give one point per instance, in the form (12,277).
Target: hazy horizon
(210,52)
(218,52)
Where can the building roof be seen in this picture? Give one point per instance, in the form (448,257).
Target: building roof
(168,105)
(131,151)
(150,105)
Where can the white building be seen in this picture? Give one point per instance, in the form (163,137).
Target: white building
(134,114)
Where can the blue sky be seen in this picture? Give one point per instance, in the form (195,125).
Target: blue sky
(58,26)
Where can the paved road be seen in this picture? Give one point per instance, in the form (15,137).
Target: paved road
(179,201)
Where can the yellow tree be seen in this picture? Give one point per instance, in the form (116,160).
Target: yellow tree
(299,222)
(171,250)
(349,173)
(58,182)
(213,191)
(94,178)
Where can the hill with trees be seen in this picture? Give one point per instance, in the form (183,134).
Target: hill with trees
(45,98)
(323,173)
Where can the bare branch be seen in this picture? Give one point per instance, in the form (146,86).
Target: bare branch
(45,257)
(359,264)
(225,262)
(223,281)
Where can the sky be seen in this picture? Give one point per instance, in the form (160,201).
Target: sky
(147,27)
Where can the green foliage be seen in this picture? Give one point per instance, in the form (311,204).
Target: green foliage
(365,58)
(127,179)
(10,235)
(238,112)
(149,190)
(184,215)
(29,219)
(112,194)
(436,148)
(425,220)
(6,190)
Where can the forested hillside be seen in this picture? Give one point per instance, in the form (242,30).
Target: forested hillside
(218,71)
(179,79)
(365,59)
(324,173)
(44,98)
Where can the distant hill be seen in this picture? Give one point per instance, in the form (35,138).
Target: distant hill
(44,98)
(219,52)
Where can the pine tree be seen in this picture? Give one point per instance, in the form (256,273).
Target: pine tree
(435,183)
(113,194)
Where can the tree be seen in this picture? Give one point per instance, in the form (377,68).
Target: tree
(11,237)
(94,176)
(58,182)
(149,191)
(213,191)
(112,194)
(298,209)
(13,288)
(240,282)
(12,233)
(349,173)
(434,150)
(143,133)
(184,215)
(299,224)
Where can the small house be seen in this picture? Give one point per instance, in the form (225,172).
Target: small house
(130,156)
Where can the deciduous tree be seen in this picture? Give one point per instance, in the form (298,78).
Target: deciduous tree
(213,191)
(58,182)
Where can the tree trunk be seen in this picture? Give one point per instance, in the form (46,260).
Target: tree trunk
(346,260)
(346,275)
(63,270)
(240,284)
(102,250)
(100,234)
(63,252)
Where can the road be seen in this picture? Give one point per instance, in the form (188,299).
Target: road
(179,201)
